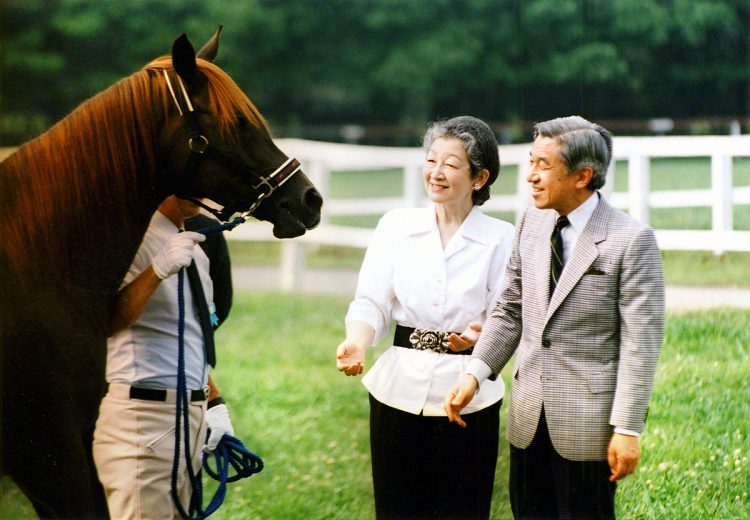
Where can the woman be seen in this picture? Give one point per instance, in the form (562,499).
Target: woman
(433,270)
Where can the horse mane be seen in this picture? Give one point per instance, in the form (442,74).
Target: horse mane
(78,188)
(227,101)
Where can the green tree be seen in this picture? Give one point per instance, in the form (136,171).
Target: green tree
(327,63)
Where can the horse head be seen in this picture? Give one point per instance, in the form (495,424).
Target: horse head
(218,152)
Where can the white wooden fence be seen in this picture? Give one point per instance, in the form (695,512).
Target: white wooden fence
(319,159)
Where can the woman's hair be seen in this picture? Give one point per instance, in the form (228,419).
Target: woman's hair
(582,144)
(481,148)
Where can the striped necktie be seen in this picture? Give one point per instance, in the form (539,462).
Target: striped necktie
(556,242)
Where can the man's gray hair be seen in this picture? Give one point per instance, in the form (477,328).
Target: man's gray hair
(582,144)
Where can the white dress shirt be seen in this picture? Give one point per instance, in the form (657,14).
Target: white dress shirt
(408,277)
(145,354)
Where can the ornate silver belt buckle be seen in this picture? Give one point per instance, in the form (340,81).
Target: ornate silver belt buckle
(426,339)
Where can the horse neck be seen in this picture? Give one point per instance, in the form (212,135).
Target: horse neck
(84,191)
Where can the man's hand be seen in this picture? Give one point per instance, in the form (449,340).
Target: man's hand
(459,396)
(176,253)
(623,455)
(467,339)
(350,358)
(219,424)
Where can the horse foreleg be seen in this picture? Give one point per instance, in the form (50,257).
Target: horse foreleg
(60,479)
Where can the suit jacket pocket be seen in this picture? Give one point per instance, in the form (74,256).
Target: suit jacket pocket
(599,290)
(603,382)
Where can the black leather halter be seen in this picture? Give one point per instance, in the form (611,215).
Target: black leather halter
(200,148)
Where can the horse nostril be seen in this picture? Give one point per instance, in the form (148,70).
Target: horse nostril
(312,199)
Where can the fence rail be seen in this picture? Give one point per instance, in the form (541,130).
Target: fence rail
(319,159)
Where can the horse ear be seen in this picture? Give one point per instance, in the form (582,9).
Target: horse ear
(183,58)
(208,52)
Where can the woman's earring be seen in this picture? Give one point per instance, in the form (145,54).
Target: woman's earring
(477,187)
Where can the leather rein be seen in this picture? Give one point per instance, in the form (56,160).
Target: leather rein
(200,148)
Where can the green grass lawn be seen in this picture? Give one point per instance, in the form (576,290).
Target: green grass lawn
(310,423)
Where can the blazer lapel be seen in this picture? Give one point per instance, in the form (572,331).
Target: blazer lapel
(582,256)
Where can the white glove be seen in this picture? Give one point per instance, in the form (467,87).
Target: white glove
(176,253)
(219,423)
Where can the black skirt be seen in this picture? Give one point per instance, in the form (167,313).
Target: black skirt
(428,467)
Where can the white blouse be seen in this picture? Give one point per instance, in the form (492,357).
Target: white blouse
(408,277)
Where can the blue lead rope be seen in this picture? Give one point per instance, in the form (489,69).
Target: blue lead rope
(226,226)
(229,452)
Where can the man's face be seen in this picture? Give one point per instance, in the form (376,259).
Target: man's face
(551,186)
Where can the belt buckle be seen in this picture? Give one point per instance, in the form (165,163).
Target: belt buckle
(206,390)
(426,339)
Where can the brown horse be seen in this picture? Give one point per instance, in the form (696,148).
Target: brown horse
(74,205)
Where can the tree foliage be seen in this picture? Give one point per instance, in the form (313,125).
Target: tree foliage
(393,62)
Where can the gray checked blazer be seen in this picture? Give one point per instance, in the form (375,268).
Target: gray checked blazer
(588,353)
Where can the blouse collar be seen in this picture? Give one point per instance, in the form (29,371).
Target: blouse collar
(473,227)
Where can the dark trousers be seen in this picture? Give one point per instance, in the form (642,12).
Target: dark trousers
(428,467)
(545,485)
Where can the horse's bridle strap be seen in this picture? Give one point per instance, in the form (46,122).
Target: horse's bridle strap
(286,171)
(201,148)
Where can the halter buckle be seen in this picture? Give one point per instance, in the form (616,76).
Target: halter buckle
(263,181)
(198,144)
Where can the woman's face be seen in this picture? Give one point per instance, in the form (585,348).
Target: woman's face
(447,172)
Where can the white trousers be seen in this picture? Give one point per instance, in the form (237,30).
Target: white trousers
(134,453)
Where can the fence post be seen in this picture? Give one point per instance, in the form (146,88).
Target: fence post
(721,186)
(293,262)
(413,185)
(609,183)
(320,175)
(639,169)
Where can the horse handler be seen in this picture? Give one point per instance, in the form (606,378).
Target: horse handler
(134,439)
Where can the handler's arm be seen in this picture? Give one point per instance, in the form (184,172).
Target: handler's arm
(217,418)
(132,299)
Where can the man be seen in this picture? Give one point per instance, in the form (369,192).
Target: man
(586,339)
(134,435)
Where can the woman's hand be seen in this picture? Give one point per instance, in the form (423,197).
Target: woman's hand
(350,358)
(350,355)
(467,339)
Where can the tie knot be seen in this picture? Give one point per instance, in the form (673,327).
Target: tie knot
(562,222)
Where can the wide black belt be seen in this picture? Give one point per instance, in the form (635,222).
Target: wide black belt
(155,394)
(425,339)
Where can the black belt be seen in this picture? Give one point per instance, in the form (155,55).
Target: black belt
(425,339)
(155,394)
